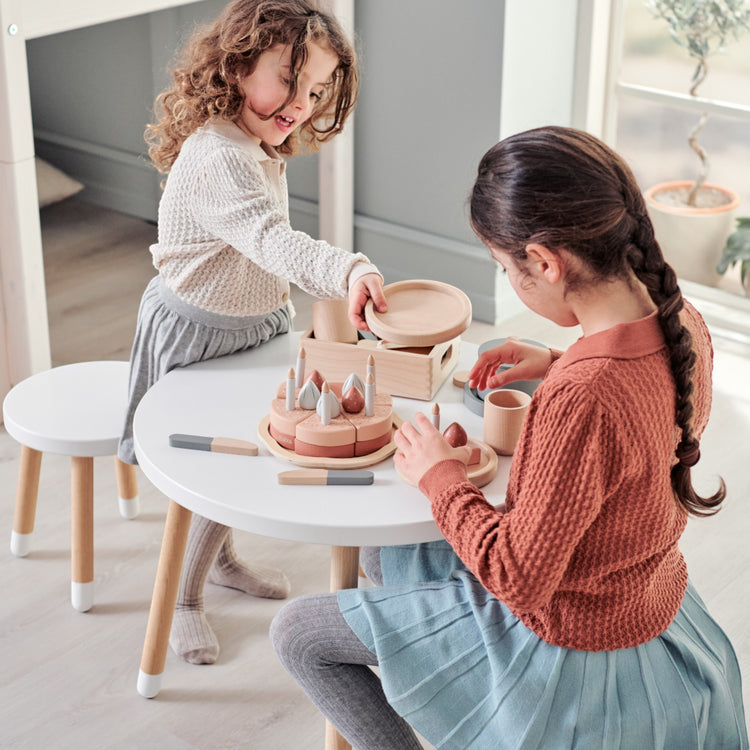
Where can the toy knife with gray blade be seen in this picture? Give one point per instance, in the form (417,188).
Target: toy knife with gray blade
(214,444)
(325,476)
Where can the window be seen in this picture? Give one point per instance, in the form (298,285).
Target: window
(653,112)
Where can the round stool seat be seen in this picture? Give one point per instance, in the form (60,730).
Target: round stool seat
(73,410)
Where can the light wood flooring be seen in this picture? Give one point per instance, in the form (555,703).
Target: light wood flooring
(69,679)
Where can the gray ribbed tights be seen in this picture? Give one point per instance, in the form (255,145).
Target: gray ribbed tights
(322,653)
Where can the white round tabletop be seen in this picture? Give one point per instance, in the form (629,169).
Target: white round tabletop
(228,397)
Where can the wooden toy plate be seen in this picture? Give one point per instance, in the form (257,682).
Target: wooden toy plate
(327,463)
(420,313)
(483,472)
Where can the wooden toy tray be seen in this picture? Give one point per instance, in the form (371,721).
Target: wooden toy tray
(414,372)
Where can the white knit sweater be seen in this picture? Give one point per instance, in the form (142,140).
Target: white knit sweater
(225,243)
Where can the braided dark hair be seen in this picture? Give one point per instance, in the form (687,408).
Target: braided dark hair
(565,189)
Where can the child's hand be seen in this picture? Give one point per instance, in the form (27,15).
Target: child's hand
(369,286)
(529,362)
(417,453)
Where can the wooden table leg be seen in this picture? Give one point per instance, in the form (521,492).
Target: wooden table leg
(344,574)
(163,600)
(344,568)
(82,533)
(27,492)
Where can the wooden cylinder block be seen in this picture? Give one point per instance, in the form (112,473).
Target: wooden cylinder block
(331,321)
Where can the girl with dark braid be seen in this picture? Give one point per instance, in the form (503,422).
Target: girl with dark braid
(565,618)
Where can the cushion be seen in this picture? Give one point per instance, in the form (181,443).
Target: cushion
(52,184)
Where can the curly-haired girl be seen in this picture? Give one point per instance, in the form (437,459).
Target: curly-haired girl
(268,77)
(564,619)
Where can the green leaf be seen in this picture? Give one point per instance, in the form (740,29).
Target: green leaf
(737,248)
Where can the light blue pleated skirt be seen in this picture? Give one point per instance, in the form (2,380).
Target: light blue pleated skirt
(466,673)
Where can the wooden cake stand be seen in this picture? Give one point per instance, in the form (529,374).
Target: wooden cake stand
(321,462)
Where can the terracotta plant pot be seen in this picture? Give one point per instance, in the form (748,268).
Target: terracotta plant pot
(691,238)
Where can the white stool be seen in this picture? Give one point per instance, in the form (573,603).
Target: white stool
(74,410)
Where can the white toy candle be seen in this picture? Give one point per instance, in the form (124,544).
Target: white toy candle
(369,395)
(291,384)
(435,416)
(300,367)
(371,370)
(324,405)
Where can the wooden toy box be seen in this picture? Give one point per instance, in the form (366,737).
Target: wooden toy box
(415,372)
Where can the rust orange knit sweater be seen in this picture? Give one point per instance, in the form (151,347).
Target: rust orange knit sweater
(586,554)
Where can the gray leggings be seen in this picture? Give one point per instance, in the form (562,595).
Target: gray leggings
(322,653)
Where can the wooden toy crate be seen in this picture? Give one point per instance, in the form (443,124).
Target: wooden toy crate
(416,372)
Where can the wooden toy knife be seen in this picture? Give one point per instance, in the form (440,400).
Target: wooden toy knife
(325,476)
(214,444)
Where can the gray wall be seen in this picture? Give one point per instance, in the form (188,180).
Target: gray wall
(429,107)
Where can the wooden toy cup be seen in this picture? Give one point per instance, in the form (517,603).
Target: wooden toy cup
(331,321)
(504,412)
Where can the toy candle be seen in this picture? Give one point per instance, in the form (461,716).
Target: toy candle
(369,395)
(291,384)
(324,405)
(371,370)
(435,416)
(300,367)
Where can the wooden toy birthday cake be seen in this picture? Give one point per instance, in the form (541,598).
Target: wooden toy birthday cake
(312,417)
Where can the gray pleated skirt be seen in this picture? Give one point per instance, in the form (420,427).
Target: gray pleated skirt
(172,333)
(466,673)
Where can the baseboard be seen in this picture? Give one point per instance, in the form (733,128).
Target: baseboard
(114,179)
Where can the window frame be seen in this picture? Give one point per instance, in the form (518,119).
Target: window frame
(615,87)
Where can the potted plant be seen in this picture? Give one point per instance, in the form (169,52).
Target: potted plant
(693,218)
(737,250)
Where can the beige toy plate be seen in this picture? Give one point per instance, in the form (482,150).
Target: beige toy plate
(483,472)
(327,463)
(420,313)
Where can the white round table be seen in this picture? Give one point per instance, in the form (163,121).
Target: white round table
(228,397)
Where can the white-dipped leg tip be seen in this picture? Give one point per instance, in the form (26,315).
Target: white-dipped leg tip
(149,685)
(20,544)
(82,595)
(130,507)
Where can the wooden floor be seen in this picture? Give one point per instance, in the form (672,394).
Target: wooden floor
(69,679)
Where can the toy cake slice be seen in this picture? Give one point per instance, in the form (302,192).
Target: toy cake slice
(283,422)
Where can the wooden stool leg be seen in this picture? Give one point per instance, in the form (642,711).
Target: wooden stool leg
(344,575)
(127,489)
(27,492)
(164,599)
(82,533)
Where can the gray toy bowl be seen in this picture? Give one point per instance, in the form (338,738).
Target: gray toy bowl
(474,399)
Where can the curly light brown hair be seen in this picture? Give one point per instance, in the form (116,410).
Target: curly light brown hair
(206,77)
